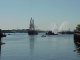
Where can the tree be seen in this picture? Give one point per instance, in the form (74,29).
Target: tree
(78,27)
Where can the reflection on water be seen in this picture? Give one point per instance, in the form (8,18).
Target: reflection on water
(32,42)
(1,43)
(0,51)
(27,47)
(77,46)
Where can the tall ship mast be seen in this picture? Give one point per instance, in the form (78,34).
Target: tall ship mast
(32,30)
(31,27)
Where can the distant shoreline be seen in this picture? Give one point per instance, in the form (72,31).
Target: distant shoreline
(26,30)
(19,31)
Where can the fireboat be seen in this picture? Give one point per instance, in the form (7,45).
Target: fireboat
(32,30)
(50,33)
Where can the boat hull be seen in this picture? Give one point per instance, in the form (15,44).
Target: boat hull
(50,33)
(32,32)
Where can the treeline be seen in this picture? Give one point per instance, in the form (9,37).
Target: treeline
(15,31)
(19,31)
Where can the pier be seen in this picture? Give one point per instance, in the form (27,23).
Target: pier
(1,35)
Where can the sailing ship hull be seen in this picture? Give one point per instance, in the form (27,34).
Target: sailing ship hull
(32,32)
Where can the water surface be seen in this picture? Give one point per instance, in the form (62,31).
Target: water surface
(20,46)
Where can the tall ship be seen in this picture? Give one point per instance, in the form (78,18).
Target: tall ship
(32,30)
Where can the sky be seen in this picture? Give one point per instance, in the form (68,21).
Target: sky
(16,14)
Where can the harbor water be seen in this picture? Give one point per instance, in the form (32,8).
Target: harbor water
(21,46)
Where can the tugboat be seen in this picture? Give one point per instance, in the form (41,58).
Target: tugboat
(32,30)
(50,33)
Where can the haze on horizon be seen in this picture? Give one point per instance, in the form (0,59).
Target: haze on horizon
(16,14)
